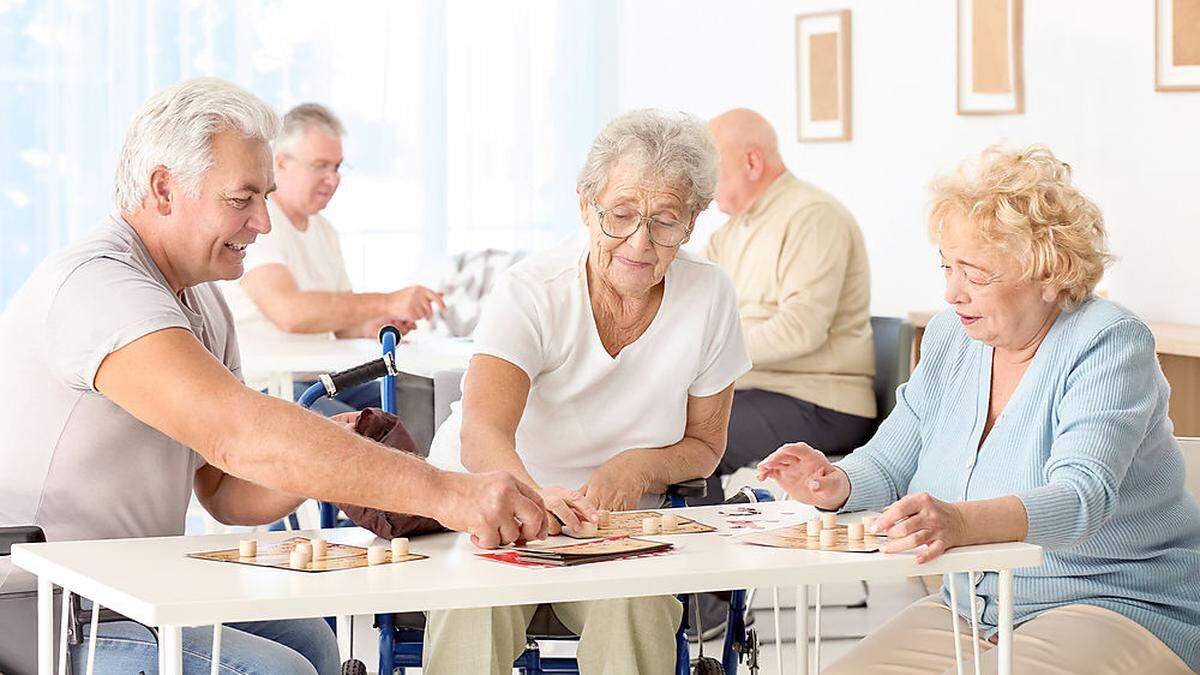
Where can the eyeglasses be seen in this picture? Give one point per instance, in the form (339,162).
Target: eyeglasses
(621,222)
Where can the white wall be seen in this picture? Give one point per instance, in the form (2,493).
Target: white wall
(1089,91)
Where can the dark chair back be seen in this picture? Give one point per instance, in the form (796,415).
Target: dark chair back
(893,338)
(18,606)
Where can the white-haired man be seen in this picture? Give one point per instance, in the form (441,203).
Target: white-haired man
(295,285)
(129,371)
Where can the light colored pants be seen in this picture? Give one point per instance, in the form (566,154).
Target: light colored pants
(622,636)
(1064,641)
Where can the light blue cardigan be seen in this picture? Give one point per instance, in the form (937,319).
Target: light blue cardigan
(1084,442)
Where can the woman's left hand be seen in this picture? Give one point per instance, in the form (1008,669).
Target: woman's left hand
(918,519)
(618,485)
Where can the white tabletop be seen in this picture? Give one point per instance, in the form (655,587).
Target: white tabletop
(150,580)
(421,357)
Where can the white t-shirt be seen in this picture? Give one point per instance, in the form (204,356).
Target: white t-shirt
(314,257)
(585,406)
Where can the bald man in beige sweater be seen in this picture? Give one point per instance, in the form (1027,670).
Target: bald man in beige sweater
(798,263)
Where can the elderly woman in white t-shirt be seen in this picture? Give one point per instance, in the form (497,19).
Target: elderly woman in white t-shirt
(603,372)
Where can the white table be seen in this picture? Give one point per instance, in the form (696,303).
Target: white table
(141,578)
(283,362)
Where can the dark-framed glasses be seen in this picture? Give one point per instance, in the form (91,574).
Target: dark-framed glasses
(620,222)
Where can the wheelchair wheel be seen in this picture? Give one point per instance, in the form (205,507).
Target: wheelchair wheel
(706,665)
(354,667)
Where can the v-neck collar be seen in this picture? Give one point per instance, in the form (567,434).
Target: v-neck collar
(985,386)
(590,316)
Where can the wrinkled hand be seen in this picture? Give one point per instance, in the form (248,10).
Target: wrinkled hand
(414,303)
(347,419)
(618,485)
(807,475)
(494,508)
(567,508)
(918,519)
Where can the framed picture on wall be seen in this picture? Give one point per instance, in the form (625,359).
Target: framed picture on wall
(1177,45)
(990,67)
(823,76)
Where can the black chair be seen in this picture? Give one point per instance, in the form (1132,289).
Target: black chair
(18,607)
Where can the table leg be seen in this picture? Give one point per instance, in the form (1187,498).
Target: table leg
(954,625)
(1005,593)
(802,630)
(216,651)
(170,650)
(91,659)
(817,632)
(778,633)
(62,647)
(974,620)
(45,626)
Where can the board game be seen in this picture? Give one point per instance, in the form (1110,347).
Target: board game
(796,536)
(278,554)
(630,523)
(579,553)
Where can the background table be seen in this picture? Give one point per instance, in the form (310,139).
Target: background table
(141,578)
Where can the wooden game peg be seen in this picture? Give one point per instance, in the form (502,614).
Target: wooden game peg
(247,548)
(828,521)
(828,538)
(605,518)
(587,529)
(670,522)
(399,549)
(299,558)
(320,549)
(305,547)
(868,523)
(813,527)
(377,555)
(854,531)
(651,525)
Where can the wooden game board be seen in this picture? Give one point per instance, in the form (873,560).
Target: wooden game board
(796,536)
(581,553)
(629,524)
(278,554)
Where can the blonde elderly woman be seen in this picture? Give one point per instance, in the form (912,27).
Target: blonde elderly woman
(1039,414)
(603,372)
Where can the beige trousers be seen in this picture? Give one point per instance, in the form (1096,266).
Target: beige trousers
(623,636)
(1065,641)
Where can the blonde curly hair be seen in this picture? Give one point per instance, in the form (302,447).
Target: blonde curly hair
(1024,204)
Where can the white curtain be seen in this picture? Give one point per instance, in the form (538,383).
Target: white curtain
(467,121)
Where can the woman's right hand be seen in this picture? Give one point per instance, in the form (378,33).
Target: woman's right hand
(807,475)
(568,507)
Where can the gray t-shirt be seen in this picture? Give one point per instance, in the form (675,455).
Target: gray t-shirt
(72,461)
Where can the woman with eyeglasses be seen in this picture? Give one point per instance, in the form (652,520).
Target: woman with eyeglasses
(603,372)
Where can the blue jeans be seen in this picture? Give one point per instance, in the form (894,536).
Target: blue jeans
(291,647)
(354,398)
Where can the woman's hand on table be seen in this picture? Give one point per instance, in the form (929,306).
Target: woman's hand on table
(807,475)
(619,483)
(920,520)
(568,507)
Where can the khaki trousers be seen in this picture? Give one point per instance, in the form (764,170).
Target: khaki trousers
(1065,641)
(622,636)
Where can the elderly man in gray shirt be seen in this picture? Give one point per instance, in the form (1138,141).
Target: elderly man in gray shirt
(131,392)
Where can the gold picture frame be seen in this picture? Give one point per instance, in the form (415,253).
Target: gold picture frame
(823,105)
(1177,45)
(989,58)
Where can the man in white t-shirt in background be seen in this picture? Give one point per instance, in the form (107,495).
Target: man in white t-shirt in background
(295,287)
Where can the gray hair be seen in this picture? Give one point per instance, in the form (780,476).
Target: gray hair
(174,128)
(674,147)
(302,118)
